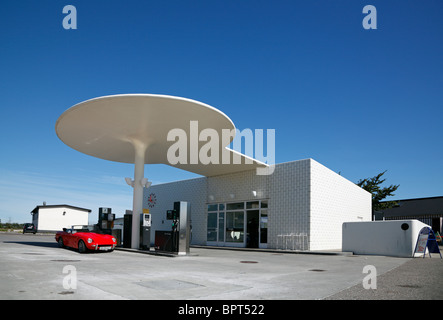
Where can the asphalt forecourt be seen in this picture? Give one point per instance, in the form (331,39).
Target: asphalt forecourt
(34,267)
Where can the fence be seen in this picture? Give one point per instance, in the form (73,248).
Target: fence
(293,241)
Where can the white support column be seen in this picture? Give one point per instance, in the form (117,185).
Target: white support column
(137,204)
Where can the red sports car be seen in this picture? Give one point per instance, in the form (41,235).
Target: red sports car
(83,239)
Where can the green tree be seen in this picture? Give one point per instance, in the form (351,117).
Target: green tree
(372,185)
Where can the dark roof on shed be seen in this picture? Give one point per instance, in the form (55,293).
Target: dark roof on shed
(416,207)
(37,208)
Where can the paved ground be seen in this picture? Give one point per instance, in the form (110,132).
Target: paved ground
(417,279)
(33,267)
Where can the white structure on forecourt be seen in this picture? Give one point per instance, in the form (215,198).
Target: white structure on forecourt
(301,206)
(57,217)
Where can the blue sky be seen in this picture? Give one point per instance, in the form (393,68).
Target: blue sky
(358,101)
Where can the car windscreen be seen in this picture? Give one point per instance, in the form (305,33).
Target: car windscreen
(82,229)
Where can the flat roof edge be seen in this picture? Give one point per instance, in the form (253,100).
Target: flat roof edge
(60,206)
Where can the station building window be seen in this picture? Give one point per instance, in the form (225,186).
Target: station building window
(238,224)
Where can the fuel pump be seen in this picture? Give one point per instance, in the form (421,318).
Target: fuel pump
(145,231)
(184,226)
(174,215)
(177,239)
(105,220)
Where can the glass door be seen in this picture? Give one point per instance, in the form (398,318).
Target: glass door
(235,230)
(252,228)
(212,227)
(263,229)
(216,225)
(221,224)
(263,224)
(239,224)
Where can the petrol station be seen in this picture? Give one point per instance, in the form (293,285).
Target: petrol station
(241,202)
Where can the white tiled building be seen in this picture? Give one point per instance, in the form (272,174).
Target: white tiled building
(300,206)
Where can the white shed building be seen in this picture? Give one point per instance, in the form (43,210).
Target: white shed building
(57,217)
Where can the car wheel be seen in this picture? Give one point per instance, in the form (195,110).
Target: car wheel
(81,247)
(60,242)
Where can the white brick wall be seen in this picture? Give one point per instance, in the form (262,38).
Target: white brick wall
(239,184)
(334,200)
(288,190)
(304,197)
(193,191)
